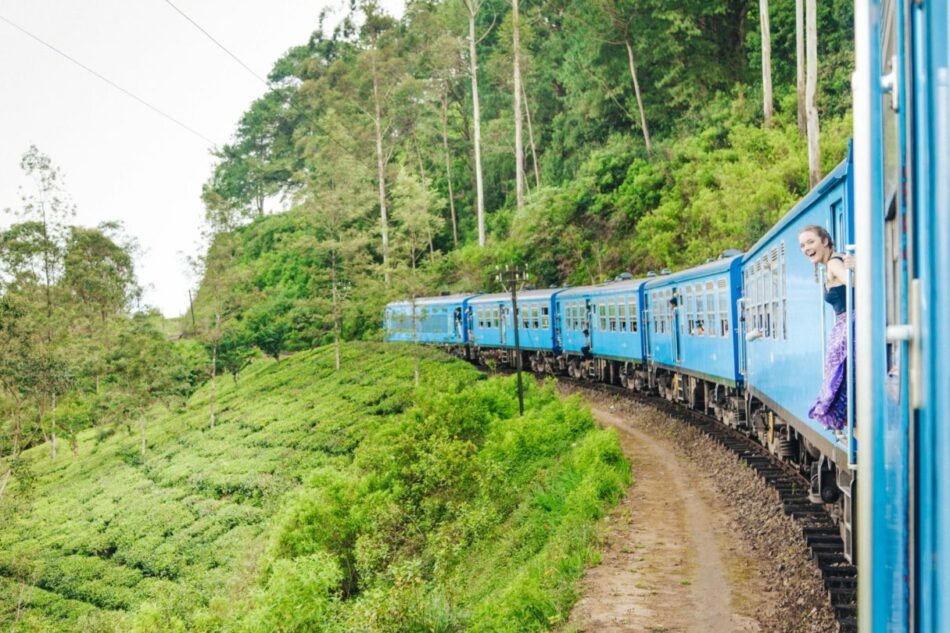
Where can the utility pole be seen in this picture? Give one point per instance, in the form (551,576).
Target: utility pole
(510,279)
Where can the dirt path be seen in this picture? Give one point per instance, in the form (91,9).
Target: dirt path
(669,563)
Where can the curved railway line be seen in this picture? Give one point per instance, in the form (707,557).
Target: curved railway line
(819,530)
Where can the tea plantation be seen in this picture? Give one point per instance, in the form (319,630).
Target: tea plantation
(321,501)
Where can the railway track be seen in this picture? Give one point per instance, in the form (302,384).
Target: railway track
(819,531)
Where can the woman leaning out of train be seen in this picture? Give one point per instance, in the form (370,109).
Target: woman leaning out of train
(831,407)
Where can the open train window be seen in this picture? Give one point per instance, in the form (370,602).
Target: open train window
(545,318)
(632,306)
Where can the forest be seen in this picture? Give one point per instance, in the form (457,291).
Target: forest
(392,158)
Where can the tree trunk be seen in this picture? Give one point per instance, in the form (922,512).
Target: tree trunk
(636,90)
(800,63)
(336,318)
(5,480)
(519,141)
(766,62)
(811,93)
(448,167)
(534,149)
(477,120)
(214,384)
(52,426)
(380,169)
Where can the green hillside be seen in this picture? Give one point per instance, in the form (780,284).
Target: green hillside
(321,500)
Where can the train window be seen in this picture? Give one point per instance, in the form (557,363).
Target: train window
(723,307)
(545,320)
(525,313)
(612,314)
(775,295)
(634,315)
(654,311)
(690,310)
(784,287)
(495,317)
(711,327)
(535,322)
(622,314)
(602,310)
(700,326)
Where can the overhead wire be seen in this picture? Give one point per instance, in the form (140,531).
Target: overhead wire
(219,44)
(110,82)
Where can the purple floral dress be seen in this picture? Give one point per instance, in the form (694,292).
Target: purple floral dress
(831,408)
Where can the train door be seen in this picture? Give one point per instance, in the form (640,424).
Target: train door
(588,325)
(675,301)
(891,581)
(503,313)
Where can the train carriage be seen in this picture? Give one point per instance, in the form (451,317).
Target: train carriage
(435,320)
(784,329)
(600,333)
(492,326)
(690,336)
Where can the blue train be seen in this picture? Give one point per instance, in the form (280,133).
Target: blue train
(743,337)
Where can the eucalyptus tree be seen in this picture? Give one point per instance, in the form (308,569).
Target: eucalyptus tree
(417,210)
(766,47)
(31,252)
(516,98)
(473,7)
(811,92)
(336,198)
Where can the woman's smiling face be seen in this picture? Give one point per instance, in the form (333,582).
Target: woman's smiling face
(812,247)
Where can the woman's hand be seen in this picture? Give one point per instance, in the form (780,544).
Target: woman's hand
(849,262)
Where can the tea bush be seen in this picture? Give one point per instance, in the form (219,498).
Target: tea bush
(321,501)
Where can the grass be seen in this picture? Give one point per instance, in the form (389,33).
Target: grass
(320,501)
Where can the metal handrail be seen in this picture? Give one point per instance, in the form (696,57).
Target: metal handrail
(849,365)
(740,331)
(821,314)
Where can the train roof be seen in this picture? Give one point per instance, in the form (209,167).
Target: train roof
(442,299)
(709,268)
(606,288)
(528,295)
(835,176)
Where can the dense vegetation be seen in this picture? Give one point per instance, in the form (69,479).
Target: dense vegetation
(378,115)
(322,501)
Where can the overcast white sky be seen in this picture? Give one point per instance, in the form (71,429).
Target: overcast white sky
(122,161)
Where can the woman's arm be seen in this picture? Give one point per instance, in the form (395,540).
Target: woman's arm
(838,268)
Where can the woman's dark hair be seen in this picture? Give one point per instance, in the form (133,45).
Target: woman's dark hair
(825,238)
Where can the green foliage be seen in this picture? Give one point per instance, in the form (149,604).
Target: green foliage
(322,501)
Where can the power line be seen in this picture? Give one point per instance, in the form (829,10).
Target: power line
(110,82)
(219,44)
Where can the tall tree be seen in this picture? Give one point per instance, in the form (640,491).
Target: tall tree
(517,92)
(337,201)
(473,7)
(811,93)
(766,61)
(800,64)
(376,24)
(34,250)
